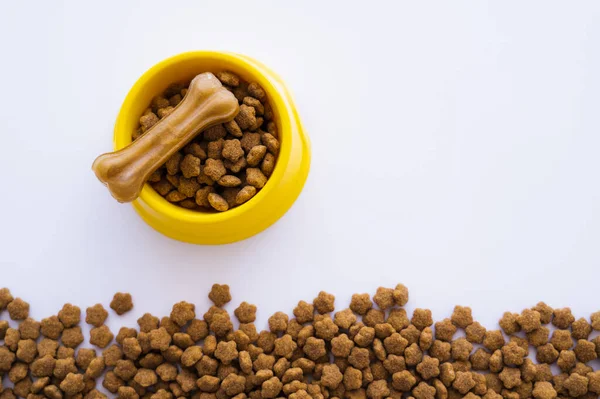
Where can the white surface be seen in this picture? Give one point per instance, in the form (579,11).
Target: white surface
(455,149)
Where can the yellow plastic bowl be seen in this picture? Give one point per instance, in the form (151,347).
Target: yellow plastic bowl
(270,203)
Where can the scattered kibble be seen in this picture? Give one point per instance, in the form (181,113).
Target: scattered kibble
(121,303)
(369,350)
(225,165)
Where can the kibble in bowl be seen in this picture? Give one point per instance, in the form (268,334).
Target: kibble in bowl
(233,180)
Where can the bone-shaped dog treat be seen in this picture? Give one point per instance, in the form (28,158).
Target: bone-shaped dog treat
(206,103)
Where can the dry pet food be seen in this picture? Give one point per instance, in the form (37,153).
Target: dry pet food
(207,103)
(373,349)
(225,165)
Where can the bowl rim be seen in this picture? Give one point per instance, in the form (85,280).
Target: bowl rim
(278,102)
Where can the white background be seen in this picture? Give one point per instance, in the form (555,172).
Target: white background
(455,149)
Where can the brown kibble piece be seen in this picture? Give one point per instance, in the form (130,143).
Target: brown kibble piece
(3,328)
(125,369)
(233,128)
(324,302)
(595,319)
(12,338)
(64,353)
(29,329)
(268,164)
(538,337)
(131,348)
(594,382)
(246,117)
(463,382)
(72,337)
(215,149)
(228,78)
(72,384)
(361,303)
(165,111)
(445,330)
(331,376)
(250,140)
(96,368)
(96,315)
(163,187)
(226,352)
(278,322)
(18,309)
(182,340)
(429,367)
(230,181)
(493,340)
(563,318)
(84,357)
(544,390)
(182,313)
(245,313)
(545,312)
(403,381)
(566,360)
(271,143)
(172,163)
(101,336)
(47,347)
(475,333)
(121,303)
(213,133)
(314,348)
(585,351)
(255,178)
(232,150)
(462,317)
(480,360)
(5,298)
(577,385)
(18,372)
(148,120)
(160,339)
(509,323)
(217,202)
(384,298)
(175,196)
(190,166)
(256,91)
(400,295)
(219,294)
(341,346)
(111,355)
(256,155)
(147,323)
(513,354)
(344,318)
(214,169)
(271,388)
(510,377)
(546,354)
(395,344)
(202,196)
(529,320)
(422,318)
(196,150)
(145,377)
(581,329)
(561,340)
(461,349)
(378,389)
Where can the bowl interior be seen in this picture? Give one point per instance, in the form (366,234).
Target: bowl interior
(183,68)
